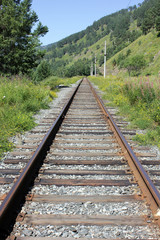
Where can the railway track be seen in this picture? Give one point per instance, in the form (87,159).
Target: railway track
(83,181)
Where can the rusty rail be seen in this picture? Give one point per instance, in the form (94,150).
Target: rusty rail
(149,191)
(14,198)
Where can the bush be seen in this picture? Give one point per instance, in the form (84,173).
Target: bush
(43,71)
(134,64)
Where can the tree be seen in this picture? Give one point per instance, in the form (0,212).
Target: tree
(18,43)
(79,68)
(158,23)
(134,64)
(43,71)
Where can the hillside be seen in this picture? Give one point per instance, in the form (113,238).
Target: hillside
(135,29)
(146,45)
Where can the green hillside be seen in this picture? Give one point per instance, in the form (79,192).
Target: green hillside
(129,32)
(147,46)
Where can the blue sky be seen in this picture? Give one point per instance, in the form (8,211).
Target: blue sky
(65,17)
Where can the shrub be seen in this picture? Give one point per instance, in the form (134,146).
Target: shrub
(43,71)
(134,64)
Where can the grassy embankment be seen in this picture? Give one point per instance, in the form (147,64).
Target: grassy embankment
(20,99)
(138,100)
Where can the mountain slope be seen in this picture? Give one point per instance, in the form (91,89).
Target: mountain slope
(147,46)
(121,30)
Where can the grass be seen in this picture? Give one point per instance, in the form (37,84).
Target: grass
(20,99)
(138,100)
(54,81)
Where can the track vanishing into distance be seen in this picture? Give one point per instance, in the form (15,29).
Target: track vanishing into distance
(82,181)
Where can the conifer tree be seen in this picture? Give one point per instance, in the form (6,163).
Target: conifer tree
(18,43)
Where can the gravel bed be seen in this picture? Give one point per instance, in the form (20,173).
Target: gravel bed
(85,167)
(79,138)
(85,127)
(54,157)
(154,177)
(5,188)
(57,150)
(88,208)
(85,190)
(158,187)
(84,130)
(86,144)
(56,102)
(7,175)
(151,167)
(95,177)
(12,166)
(90,125)
(81,231)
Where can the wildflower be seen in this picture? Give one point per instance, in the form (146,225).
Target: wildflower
(142,92)
(3,97)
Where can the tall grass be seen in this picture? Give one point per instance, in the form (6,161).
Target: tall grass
(19,100)
(144,90)
(54,81)
(138,100)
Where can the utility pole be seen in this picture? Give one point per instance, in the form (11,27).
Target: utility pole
(92,69)
(95,66)
(105,60)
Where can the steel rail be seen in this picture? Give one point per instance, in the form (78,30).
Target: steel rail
(14,198)
(148,189)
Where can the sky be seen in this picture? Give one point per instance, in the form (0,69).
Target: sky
(66,17)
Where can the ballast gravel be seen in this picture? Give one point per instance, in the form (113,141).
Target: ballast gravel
(81,231)
(5,188)
(85,190)
(88,208)
(103,157)
(85,167)
(96,177)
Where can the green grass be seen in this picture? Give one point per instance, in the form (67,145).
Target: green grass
(20,99)
(53,81)
(140,113)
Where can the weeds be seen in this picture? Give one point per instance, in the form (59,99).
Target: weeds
(146,93)
(139,100)
(54,81)
(19,100)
